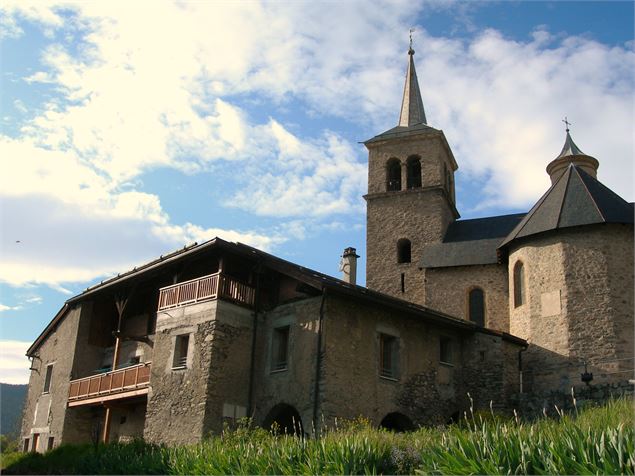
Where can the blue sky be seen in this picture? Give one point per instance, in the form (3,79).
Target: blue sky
(129,132)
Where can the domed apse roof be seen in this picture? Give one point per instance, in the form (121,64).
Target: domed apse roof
(575,199)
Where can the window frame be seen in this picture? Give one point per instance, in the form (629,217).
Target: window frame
(392,371)
(279,361)
(48,378)
(470,308)
(403,256)
(180,357)
(518,280)
(446,343)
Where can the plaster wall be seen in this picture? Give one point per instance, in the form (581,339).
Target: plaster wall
(45,413)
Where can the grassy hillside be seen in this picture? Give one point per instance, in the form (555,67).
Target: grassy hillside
(11,405)
(597,441)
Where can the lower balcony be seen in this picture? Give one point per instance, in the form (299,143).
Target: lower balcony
(213,286)
(115,385)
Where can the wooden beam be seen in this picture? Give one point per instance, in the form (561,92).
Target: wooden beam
(107,419)
(106,398)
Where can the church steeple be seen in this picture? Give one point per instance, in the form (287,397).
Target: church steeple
(412,111)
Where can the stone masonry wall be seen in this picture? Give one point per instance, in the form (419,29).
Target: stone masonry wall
(447,290)
(535,405)
(293,386)
(178,398)
(44,413)
(579,305)
(425,390)
(420,215)
(186,404)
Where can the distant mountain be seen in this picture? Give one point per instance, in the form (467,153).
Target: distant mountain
(11,404)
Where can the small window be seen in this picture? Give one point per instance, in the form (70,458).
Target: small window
(47,378)
(50,443)
(446,351)
(388,356)
(393,175)
(413,172)
(403,282)
(404,251)
(519,284)
(476,306)
(181,347)
(36,439)
(25,446)
(280,349)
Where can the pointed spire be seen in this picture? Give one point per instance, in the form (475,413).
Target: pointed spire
(571,154)
(569,147)
(412,111)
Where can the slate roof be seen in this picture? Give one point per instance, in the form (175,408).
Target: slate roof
(575,199)
(402,131)
(313,278)
(470,242)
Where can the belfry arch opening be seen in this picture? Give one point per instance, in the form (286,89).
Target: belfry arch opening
(413,172)
(284,420)
(393,175)
(397,422)
(404,251)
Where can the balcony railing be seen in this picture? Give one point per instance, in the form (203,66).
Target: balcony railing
(213,286)
(109,385)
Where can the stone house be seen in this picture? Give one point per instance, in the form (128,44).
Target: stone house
(177,348)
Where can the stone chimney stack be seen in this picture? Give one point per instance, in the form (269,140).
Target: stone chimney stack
(348,265)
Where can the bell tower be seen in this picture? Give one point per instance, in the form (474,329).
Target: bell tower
(410,200)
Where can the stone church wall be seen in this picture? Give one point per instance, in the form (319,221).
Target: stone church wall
(579,305)
(447,290)
(420,215)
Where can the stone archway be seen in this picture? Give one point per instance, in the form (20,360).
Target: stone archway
(285,419)
(397,422)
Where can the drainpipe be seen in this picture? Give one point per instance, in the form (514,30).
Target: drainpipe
(252,365)
(318,364)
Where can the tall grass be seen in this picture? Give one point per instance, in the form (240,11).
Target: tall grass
(597,441)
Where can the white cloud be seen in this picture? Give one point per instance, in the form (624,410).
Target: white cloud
(133,97)
(9,308)
(14,366)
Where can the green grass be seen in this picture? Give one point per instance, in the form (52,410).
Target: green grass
(597,441)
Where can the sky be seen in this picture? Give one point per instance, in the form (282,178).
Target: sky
(130,130)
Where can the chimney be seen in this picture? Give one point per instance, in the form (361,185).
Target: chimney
(348,265)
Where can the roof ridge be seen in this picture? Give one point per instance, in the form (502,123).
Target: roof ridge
(586,188)
(564,196)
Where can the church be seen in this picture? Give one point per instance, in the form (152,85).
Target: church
(456,313)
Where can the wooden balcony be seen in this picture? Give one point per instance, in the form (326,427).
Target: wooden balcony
(208,287)
(115,385)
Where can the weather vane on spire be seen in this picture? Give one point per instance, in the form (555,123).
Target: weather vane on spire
(567,123)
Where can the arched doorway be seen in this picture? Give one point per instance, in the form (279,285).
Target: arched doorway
(284,419)
(397,422)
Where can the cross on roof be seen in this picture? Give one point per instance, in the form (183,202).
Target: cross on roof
(567,123)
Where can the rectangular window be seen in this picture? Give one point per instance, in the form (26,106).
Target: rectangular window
(445,353)
(47,378)
(50,443)
(36,439)
(388,356)
(25,447)
(280,349)
(181,346)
